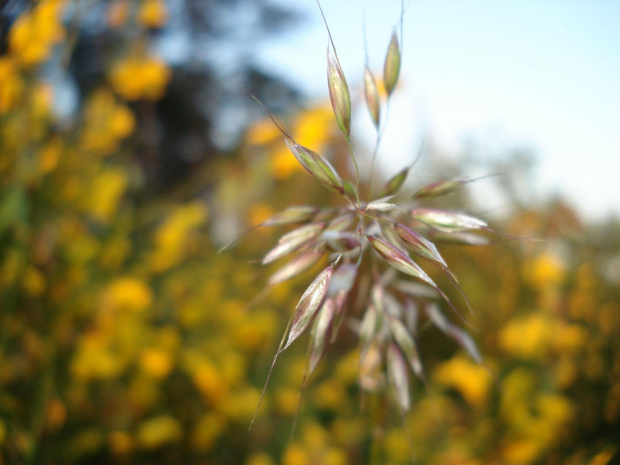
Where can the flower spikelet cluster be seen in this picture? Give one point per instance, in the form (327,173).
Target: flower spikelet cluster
(377,239)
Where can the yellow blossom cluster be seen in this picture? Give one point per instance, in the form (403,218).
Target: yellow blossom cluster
(139,77)
(35,32)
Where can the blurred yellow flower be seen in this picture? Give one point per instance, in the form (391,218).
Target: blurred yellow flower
(156,363)
(555,409)
(41,100)
(241,404)
(547,270)
(570,338)
(138,77)
(122,122)
(128,293)
(313,127)
(35,33)
(295,454)
(209,383)
(536,335)
(529,337)
(159,431)
(152,13)
(12,86)
(106,122)
(263,132)
(258,213)
(207,430)
(471,380)
(171,236)
(49,155)
(521,452)
(314,436)
(94,359)
(105,193)
(283,163)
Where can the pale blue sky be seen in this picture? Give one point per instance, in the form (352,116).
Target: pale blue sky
(537,73)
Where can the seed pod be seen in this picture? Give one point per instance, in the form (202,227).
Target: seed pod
(372,97)
(395,183)
(317,166)
(419,245)
(391,68)
(339,93)
(381,205)
(399,259)
(447,221)
(427,250)
(310,302)
(389,234)
(439,188)
(293,241)
(295,267)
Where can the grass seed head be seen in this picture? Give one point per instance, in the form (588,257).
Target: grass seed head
(339,93)
(373,100)
(389,299)
(317,166)
(391,67)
